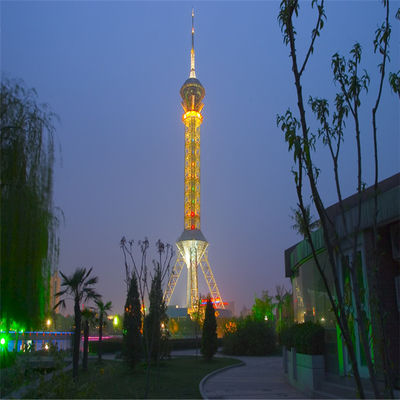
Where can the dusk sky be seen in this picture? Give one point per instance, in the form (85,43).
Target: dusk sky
(112,72)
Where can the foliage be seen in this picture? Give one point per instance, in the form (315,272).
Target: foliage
(263,307)
(284,309)
(306,338)
(79,288)
(209,342)
(132,324)
(15,373)
(113,380)
(394,80)
(302,223)
(157,315)
(183,327)
(108,346)
(22,371)
(29,246)
(251,337)
(62,386)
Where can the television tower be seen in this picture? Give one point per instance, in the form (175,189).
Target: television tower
(192,245)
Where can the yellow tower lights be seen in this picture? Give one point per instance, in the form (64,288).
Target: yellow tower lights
(192,245)
(192,121)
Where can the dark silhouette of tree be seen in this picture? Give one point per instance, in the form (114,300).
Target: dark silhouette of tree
(89,317)
(156,315)
(132,325)
(79,288)
(102,310)
(28,223)
(209,342)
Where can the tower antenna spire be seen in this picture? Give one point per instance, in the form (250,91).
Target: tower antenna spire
(192,65)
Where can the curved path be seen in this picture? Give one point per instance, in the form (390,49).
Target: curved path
(259,378)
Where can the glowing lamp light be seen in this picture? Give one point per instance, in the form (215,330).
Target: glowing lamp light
(192,214)
(115,320)
(46,346)
(266,318)
(2,341)
(192,227)
(48,322)
(192,114)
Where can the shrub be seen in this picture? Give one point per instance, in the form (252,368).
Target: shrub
(251,338)
(286,336)
(188,343)
(306,338)
(108,346)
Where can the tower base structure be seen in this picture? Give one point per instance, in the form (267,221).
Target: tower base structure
(193,252)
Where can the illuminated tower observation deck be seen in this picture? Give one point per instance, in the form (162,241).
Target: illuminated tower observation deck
(192,245)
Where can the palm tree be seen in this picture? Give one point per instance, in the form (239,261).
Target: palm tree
(88,316)
(102,310)
(79,288)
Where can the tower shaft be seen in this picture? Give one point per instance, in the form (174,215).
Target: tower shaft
(192,244)
(192,121)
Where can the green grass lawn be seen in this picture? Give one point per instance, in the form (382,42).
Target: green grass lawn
(175,379)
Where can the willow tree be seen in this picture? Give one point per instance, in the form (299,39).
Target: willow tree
(28,240)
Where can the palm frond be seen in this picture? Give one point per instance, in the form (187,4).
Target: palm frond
(60,304)
(61,292)
(92,281)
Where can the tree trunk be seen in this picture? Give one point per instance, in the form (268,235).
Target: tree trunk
(85,346)
(100,344)
(77,339)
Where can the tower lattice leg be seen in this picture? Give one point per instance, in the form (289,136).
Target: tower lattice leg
(173,279)
(209,277)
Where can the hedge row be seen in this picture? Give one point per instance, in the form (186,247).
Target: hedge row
(108,346)
(250,338)
(306,338)
(115,345)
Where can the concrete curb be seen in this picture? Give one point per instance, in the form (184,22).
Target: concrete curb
(217,371)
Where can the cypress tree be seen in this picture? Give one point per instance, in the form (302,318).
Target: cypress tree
(209,343)
(156,316)
(132,324)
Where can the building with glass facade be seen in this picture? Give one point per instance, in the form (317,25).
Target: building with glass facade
(310,299)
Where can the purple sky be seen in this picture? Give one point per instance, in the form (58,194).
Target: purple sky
(112,72)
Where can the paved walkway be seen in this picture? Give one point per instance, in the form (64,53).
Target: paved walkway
(259,378)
